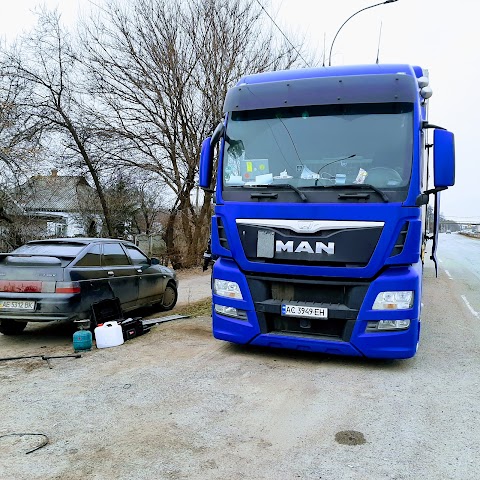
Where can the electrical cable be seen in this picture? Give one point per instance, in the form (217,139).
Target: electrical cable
(44,442)
(284,36)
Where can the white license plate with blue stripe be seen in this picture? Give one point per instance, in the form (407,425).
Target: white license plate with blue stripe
(304,311)
(17,305)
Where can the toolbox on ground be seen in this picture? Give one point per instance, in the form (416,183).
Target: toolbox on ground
(109,310)
(133,327)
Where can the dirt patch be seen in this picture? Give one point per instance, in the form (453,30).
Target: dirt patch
(350,437)
(189,272)
(29,365)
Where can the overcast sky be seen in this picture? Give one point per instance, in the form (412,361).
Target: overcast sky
(439,35)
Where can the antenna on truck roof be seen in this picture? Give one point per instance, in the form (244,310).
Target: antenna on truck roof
(379,39)
(324,43)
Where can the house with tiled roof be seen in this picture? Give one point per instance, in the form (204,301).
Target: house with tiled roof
(61,205)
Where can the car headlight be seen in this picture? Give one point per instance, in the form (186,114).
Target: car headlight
(400,300)
(226,288)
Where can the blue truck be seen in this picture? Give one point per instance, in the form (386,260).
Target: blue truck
(321,184)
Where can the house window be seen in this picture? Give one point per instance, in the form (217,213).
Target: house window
(60,229)
(55,229)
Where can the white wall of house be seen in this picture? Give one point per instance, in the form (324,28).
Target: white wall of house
(69,225)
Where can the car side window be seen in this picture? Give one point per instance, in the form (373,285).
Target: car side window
(91,258)
(114,256)
(138,258)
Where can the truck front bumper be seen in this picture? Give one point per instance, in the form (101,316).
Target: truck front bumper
(343,333)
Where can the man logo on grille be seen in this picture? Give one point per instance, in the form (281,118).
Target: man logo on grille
(305,247)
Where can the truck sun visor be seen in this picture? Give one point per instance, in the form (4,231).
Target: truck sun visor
(322,91)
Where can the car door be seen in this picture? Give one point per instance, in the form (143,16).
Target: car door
(87,269)
(152,279)
(121,274)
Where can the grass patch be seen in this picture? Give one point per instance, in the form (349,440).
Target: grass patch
(194,309)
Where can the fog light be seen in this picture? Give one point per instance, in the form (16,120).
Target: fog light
(401,300)
(231,312)
(386,325)
(228,289)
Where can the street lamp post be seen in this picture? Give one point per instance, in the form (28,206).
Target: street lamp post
(351,16)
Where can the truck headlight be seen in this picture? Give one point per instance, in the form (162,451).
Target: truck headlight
(226,288)
(400,300)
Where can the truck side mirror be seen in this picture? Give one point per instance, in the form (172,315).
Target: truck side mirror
(206,164)
(443,158)
(206,157)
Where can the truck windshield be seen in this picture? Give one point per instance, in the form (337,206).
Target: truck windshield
(320,146)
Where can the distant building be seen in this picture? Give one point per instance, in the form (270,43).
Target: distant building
(60,206)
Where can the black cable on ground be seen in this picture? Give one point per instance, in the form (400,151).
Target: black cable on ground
(44,442)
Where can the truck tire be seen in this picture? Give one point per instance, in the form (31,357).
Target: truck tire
(9,327)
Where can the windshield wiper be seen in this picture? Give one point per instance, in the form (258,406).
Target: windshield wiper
(361,186)
(281,186)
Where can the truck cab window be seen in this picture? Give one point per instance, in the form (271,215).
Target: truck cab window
(321,145)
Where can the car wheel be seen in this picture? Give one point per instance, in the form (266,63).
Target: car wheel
(9,327)
(170,296)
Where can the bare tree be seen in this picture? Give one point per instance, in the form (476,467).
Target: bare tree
(19,153)
(20,131)
(160,70)
(151,206)
(46,62)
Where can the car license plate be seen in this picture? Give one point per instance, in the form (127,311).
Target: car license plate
(17,305)
(304,311)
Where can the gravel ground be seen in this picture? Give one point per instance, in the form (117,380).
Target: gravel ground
(177,404)
(193,285)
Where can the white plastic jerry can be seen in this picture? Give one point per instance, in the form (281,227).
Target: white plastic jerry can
(108,335)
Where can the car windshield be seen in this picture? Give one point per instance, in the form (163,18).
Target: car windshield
(51,249)
(320,146)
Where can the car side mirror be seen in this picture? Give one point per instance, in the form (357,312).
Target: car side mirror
(154,261)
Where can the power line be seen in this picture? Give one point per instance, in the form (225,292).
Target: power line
(284,36)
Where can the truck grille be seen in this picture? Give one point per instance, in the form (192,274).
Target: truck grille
(350,247)
(342,298)
(333,329)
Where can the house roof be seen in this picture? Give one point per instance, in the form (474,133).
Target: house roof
(55,193)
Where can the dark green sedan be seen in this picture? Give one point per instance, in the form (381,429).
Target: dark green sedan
(60,279)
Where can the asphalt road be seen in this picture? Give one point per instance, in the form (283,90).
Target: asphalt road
(459,260)
(177,404)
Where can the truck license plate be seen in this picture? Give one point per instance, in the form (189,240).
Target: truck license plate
(17,305)
(304,311)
